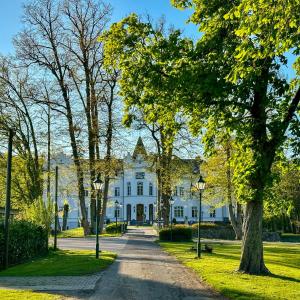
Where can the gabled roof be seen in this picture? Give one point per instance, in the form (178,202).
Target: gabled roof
(139,149)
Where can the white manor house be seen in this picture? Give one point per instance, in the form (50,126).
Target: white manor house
(135,189)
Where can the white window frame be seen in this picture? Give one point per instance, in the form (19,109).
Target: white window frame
(140,188)
(117,212)
(212,212)
(181,191)
(117,191)
(178,211)
(194,212)
(150,189)
(128,188)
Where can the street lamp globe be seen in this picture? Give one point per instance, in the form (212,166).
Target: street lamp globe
(98,184)
(200,184)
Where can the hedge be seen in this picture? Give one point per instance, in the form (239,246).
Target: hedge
(214,231)
(113,228)
(26,241)
(226,232)
(180,233)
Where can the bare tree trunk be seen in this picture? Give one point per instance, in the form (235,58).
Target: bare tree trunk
(48,149)
(236,221)
(108,143)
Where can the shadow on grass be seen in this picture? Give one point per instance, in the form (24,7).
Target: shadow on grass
(284,278)
(236,294)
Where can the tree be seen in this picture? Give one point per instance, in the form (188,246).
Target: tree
(229,80)
(41,45)
(136,93)
(21,115)
(282,205)
(237,80)
(85,21)
(220,186)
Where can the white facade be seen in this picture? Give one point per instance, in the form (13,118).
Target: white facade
(135,189)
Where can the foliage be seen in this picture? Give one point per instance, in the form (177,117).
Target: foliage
(284,197)
(179,233)
(114,228)
(41,212)
(25,188)
(26,241)
(63,263)
(216,270)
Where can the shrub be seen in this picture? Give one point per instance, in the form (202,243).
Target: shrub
(179,233)
(26,241)
(113,228)
(214,231)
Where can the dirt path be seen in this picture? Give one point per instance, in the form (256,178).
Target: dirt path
(143,271)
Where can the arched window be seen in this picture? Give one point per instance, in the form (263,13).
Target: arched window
(150,189)
(128,188)
(140,189)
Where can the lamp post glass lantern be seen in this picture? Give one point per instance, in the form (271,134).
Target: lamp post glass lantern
(171,201)
(98,186)
(200,186)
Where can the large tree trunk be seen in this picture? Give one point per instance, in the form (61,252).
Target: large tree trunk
(252,260)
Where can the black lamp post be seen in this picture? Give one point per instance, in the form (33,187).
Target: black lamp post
(171,204)
(200,186)
(98,186)
(117,205)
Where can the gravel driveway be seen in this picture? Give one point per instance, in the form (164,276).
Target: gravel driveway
(143,271)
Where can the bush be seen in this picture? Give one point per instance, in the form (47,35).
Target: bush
(214,231)
(180,233)
(113,228)
(26,241)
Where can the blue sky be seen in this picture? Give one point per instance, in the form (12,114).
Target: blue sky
(11,12)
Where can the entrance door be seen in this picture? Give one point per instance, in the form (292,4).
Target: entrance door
(151,213)
(128,212)
(140,213)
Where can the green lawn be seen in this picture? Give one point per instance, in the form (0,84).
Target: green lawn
(23,295)
(78,233)
(217,270)
(63,262)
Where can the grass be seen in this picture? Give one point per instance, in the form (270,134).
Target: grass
(218,270)
(78,233)
(63,262)
(24,295)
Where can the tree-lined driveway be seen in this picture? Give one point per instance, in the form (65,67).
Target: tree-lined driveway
(142,270)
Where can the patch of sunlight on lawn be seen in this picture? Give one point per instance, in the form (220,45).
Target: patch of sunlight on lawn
(22,295)
(78,233)
(218,270)
(63,262)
